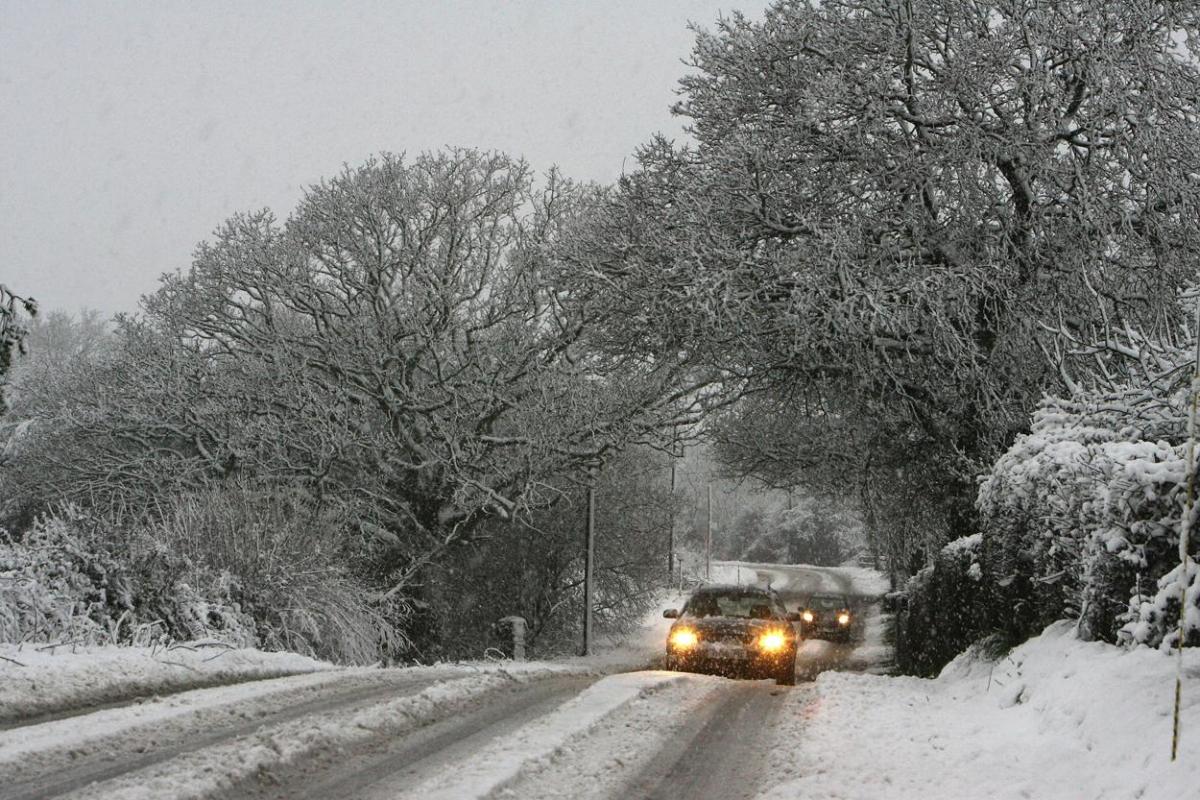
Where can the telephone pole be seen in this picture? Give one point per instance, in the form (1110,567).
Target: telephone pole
(671,532)
(708,538)
(589,577)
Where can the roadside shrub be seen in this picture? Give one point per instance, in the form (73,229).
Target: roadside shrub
(941,611)
(233,563)
(280,560)
(53,589)
(1083,515)
(1079,519)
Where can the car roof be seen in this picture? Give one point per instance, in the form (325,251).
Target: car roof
(728,588)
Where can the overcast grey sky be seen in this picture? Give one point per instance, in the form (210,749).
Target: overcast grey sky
(130,130)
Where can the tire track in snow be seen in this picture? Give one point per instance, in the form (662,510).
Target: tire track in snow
(375,771)
(723,755)
(218,768)
(503,762)
(96,754)
(607,760)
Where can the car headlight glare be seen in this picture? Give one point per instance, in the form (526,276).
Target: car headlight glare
(684,638)
(807,616)
(772,641)
(843,618)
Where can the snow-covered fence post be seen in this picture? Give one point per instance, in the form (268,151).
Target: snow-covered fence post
(518,636)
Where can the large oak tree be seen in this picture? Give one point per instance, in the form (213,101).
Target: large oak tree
(904,220)
(399,345)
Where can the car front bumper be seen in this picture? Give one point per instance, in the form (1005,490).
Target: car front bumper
(725,659)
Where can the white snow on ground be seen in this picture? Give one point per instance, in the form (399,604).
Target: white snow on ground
(1056,719)
(73,735)
(214,768)
(503,761)
(37,679)
(618,748)
(873,653)
(801,578)
(864,580)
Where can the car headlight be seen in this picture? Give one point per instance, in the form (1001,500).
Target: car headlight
(843,618)
(683,638)
(807,616)
(772,641)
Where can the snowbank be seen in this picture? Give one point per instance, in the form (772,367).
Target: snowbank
(1056,718)
(43,679)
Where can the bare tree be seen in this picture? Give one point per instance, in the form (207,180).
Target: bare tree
(399,343)
(920,215)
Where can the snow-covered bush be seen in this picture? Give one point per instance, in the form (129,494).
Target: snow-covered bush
(941,609)
(1081,517)
(229,564)
(70,578)
(53,589)
(274,561)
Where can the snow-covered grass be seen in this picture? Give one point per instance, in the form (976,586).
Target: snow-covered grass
(44,679)
(1057,718)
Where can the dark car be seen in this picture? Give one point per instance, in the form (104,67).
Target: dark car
(827,616)
(734,631)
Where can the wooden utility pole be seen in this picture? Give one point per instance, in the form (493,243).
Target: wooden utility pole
(708,538)
(671,532)
(589,577)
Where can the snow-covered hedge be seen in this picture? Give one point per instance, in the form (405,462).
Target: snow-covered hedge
(62,582)
(1081,517)
(943,609)
(227,565)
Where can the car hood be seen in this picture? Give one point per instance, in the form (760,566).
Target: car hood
(728,626)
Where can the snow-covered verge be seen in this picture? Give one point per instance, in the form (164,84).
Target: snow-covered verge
(42,679)
(1057,718)
(45,679)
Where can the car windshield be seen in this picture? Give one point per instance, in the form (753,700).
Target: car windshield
(826,602)
(730,604)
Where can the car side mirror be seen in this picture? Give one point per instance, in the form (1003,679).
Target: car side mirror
(794,616)
(671,613)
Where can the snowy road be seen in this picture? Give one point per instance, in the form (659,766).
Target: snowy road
(454,732)
(1025,725)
